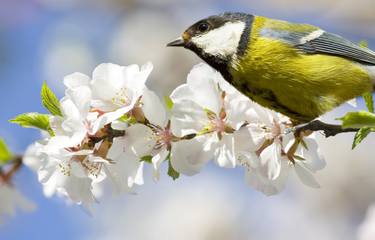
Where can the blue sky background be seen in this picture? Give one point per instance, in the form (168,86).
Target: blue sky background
(28,29)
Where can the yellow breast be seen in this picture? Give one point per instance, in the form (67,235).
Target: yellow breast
(301,86)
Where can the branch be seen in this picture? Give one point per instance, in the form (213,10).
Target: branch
(329,130)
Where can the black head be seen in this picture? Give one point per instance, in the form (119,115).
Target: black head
(216,39)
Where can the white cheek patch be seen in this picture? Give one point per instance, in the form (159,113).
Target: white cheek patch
(222,42)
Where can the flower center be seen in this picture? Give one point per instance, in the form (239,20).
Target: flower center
(164,137)
(121,98)
(218,124)
(276,129)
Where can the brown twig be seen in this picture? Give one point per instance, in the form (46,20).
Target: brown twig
(329,130)
(16,164)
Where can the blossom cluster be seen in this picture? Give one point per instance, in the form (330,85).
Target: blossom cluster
(109,126)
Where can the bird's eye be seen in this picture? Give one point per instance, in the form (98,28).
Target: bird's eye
(203,27)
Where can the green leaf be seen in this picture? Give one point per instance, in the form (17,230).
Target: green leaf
(358,120)
(5,154)
(128,119)
(33,120)
(369,101)
(168,102)
(172,172)
(50,101)
(360,136)
(147,159)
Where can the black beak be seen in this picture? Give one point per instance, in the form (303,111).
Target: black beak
(179,42)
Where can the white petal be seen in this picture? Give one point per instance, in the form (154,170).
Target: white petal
(78,170)
(69,109)
(188,156)
(117,148)
(56,125)
(157,160)
(201,81)
(125,172)
(182,92)
(47,170)
(138,177)
(139,139)
(107,80)
(138,79)
(314,159)
(238,109)
(77,189)
(153,108)
(244,140)
(187,117)
(33,156)
(81,96)
(224,152)
(258,135)
(56,143)
(110,117)
(76,80)
(270,160)
(306,176)
(269,187)
(260,183)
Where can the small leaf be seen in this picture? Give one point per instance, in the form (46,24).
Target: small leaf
(130,119)
(147,159)
(33,120)
(360,136)
(50,101)
(168,102)
(369,101)
(358,120)
(5,154)
(172,172)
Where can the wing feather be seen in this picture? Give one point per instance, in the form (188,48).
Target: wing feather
(332,44)
(316,41)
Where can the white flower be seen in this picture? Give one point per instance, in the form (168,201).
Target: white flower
(125,152)
(256,179)
(77,121)
(202,106)
(187,156)
(10,199)
(309,161)
(117,89)
(71,174)
(154,140)
(268,134)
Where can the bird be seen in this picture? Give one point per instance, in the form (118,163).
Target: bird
(298,70)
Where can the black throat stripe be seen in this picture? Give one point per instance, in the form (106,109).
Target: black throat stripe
(245,37)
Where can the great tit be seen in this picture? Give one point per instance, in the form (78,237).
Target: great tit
(298,70)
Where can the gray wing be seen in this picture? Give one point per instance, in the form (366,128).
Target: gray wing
(323,43)
(329,43)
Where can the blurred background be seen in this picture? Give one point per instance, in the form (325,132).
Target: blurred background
(48,39)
